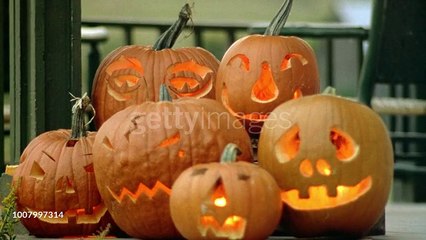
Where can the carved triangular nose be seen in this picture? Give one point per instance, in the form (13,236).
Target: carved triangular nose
(264,89)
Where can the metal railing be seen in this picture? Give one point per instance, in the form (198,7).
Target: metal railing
(96,32)
(326,33)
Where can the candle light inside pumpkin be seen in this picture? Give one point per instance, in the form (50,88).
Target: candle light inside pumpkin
(219,197)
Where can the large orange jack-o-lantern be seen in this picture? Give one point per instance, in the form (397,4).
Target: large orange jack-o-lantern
(226,200)
(56,185)
(140,151)
(133,74)
(259,72)
(333,160)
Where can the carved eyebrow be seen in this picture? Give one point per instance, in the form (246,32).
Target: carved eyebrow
(286,63)
(245,62)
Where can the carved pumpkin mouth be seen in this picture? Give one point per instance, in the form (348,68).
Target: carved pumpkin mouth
(142,190)
(189,79)
(232,228)
(78,216)
(319,199)
(120,86)
(260,117)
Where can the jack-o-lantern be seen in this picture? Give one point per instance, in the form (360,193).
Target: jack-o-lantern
(141,150)
(333,159)
(133,74)
(56,188)
(226,200)
(259,72)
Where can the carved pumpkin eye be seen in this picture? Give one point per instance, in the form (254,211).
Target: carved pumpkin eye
(288,145)
(190,79)
(346,148)
(37,172)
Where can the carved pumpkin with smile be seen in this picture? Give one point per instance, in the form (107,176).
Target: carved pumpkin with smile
(133,74)
(333,160)
(226,200)
(259,72)
(55,176)
(141,150)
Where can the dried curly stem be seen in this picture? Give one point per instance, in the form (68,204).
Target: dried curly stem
(81,107)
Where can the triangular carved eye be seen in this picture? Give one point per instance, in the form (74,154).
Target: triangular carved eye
(346,148)
(288,145)
(219,197)
(37,172)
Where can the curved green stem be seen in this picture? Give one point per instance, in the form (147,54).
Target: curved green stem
(168,38)
(164,93)
(329,90)
(279,20)
(230,153)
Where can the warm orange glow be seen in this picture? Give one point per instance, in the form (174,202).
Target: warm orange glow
(219,198)
(181,153)
(323,167)
(319,199)
(245,62)
(346,149)
(232,228)
(129,80)
(184,83)
(141,190)
(264,89)
(297,94)
(220,202)
(288,145)
(306,168)
(248,116)
(124,63)
(80,216)
(190,66)
(170,141)
(286,63)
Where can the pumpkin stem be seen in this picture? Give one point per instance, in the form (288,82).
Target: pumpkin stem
(279,20)
(81,106)
(230,153)
(164,94)
(168,38)
(329,90)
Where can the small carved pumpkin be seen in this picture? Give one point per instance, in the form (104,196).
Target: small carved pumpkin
(259,72)
(133,74)
(141,150)
(226,200)
(333,159)
(56,183)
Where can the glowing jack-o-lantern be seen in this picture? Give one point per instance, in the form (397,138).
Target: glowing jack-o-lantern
(226,200)
(56,185)
(141,150)
(333,160)
(133,74)
(259,72)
